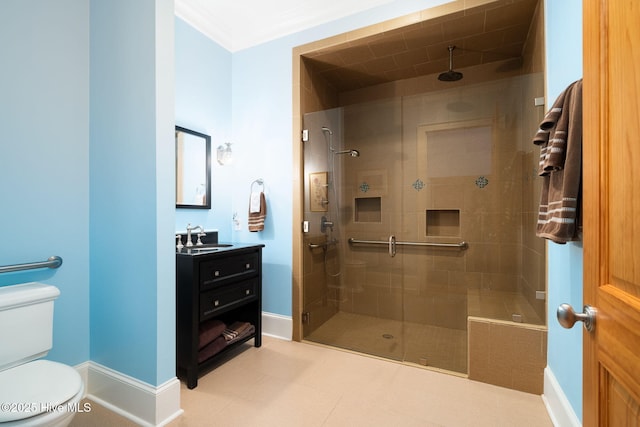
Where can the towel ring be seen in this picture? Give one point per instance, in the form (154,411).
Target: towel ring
(258,181)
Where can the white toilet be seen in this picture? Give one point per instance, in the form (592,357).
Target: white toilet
(33,392)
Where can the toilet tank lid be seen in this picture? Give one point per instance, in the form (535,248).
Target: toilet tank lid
(26,293)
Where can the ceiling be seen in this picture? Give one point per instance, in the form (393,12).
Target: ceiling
(480,36)
(237,25)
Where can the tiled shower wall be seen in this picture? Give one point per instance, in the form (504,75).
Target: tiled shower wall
(496,210)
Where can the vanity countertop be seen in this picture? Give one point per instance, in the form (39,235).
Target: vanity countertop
(209,249)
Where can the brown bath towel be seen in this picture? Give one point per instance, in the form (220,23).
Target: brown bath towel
(236,329)
(249,331)
(560,141)
(256,219)
(210,330)
(213,348)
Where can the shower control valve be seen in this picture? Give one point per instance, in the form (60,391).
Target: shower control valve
(324,224)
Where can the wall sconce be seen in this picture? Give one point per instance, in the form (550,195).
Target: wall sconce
(224,154)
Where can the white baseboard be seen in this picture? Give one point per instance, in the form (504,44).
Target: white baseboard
(558,407)
(277,325)
(143,403)
(136,400)
(83,370)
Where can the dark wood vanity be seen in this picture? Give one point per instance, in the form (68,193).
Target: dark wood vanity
(215,285)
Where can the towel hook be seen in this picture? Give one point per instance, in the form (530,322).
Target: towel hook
(258,181)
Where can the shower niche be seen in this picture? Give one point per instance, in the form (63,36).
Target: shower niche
(368,209)
(443,223)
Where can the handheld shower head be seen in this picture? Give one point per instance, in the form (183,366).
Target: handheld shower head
(352,153)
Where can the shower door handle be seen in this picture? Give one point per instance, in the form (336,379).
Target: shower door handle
(392,246)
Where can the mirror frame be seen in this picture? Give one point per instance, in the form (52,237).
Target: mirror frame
(207,166)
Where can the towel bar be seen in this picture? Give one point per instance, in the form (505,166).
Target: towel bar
(459,245)
(53,262)
(260,183)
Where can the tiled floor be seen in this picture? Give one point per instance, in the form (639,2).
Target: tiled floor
(287,383)
(435,346)
(443,348)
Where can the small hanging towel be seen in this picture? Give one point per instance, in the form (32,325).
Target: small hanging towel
(257,211)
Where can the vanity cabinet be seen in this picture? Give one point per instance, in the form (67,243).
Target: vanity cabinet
(224,284)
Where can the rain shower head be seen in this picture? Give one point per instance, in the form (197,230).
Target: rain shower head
(450,76)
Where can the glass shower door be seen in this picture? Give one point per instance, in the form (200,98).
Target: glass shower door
(353,292)
(372,281)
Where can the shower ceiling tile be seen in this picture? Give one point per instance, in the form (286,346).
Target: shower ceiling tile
(493,32)
(506,16)
(380,65)
(516,33)
(401,74)
(355,54)
(432,67)
(388,46)
(420,36)
(463,27)
(487,41)
(409,58)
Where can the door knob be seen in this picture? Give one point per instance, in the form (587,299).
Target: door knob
(567,317)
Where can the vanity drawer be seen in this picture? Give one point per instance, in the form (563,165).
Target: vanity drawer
(236,267)
(225,296)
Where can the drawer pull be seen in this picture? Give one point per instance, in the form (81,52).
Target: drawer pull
(247,266)
(216,273)
(247,292)
(216,303)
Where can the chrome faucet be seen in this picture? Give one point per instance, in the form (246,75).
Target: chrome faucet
(189,230)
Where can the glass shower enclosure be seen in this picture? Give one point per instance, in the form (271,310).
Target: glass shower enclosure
(419,213)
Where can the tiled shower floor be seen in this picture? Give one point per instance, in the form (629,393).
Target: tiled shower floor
(421,344)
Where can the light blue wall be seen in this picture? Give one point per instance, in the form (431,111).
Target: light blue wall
(44,159)
(262,122)
(564,66)
(203,104)
(131,188)
(87,173)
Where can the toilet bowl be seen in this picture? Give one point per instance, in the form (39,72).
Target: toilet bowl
(40,393)
(33,391)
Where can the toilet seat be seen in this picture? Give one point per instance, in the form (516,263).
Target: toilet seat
(37,387)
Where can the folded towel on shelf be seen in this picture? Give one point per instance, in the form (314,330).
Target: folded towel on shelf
(235,330)
(247,332)
(209,330)
(256,219)
(211,349)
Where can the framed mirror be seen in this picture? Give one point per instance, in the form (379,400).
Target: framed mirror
(193,169)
